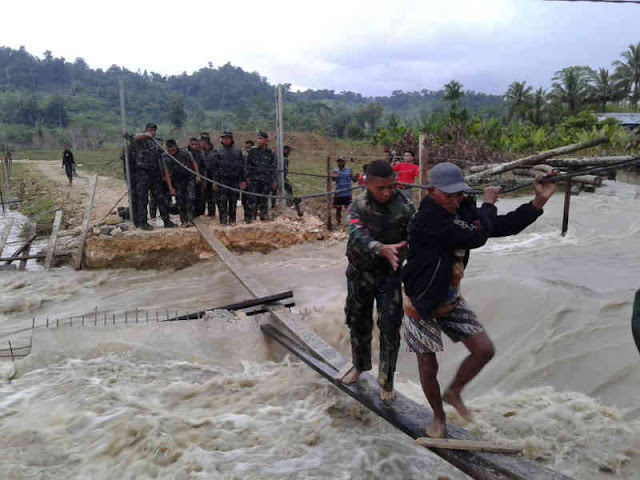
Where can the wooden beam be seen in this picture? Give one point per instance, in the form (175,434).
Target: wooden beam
(21,248)
(31,256)
(87,221)
(470,445)
(5,233)
(537,158)
(411,418)
(53,240)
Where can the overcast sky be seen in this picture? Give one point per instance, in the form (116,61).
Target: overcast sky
(371,47)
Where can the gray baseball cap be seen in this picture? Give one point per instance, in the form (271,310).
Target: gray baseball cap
(448,178)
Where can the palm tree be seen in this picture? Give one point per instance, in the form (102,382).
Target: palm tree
(570,86)
(518,97)
(538,103)
(453,94)
(627,73)
(601,87)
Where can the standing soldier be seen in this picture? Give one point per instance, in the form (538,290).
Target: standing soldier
(194,150)
(149,177)
(181,182)
(229,171)
(208,154)
(68,162)
(248,145)
(291,200)
(261,177)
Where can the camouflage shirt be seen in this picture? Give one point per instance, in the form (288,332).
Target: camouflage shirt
(177,172)
(229,165)
(261,165)
(373,225)
(147,154)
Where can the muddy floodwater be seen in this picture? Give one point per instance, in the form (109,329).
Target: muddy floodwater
(213,399)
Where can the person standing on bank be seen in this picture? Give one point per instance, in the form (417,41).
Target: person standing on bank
(68,163)
(248,145)
(229,170)
(149,177)
(181,182)
(261,177)
(209,155)
(342,196)
(194,150)
(407,170)
(448,224)
(378,231)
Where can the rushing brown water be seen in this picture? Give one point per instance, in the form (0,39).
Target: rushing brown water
(212,399)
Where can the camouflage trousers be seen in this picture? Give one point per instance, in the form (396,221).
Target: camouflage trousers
(258,205)
(185,197)
(199,206)
(363,287)
(149,181)
(227,202)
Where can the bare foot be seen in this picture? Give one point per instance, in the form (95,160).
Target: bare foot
(387,396)
(437,428)
(350,377)
(456,402)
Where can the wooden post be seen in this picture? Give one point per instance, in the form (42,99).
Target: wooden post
(53,240)
(5,234)
(329,197)
(123,115)
(565,213)
(423,163)
(7,175)
(280,146)
(27,247)
(87,221)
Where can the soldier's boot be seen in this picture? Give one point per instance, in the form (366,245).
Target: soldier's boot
(168,223)
(145,226)
(299,209)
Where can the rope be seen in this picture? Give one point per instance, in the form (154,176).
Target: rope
(244,192)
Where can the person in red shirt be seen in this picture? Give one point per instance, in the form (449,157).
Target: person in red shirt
(407,171)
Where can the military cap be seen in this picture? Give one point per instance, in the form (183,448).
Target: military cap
(227,133)
(172,143)
(205,136)
(263,134)
(151,125)
(287,147)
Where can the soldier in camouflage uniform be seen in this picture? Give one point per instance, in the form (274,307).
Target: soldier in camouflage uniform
(149,177)
(209,154)
(229,171)
(261,177)
(194,150)
(378,231)
(182,182)
(291,200)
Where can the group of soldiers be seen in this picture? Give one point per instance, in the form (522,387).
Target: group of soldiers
(203,178)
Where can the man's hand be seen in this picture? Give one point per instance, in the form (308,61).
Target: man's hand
(197,179)
(491,195)
(457,274)
(392,253)
(274,185)
(243,185)
(214,187)
(172,191)
(543,191)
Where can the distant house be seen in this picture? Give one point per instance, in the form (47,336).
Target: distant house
(627,120)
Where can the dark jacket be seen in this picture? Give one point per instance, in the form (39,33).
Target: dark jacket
(435,234)
(229,167)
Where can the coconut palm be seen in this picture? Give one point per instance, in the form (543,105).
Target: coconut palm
(570,86)
(601,87)
(538,102)
(627,73)
(518,97)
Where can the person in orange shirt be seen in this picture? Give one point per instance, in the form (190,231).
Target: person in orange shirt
(407,171)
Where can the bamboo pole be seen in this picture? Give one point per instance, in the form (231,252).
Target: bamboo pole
(27,247)
(280,147)
(537,158)
(87,221)
(123,115)
(565,213)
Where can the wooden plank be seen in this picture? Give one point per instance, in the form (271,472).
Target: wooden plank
(412,419)
(53,239)
(32,256)
(16,254)
(27,247)
(87,221)
(471,445)
(406,415)
(5,234)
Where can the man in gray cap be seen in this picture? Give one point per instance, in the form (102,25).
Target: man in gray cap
(229,170)
(448,224)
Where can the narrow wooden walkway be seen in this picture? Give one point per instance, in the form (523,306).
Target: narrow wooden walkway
(405,414)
